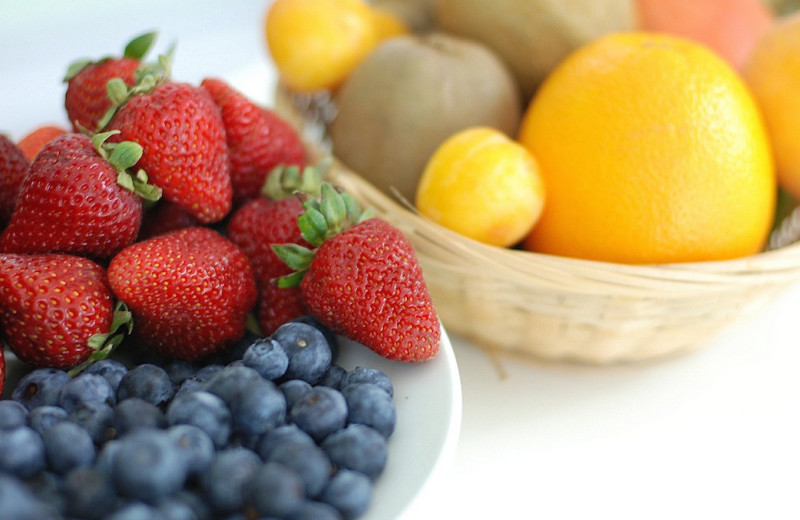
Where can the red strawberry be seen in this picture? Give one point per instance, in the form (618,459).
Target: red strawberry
(57,310)
(258,139)
(87,99)
(78,198)
(181,131)
(189,291)
(13,167)
(363,280)
(163,218)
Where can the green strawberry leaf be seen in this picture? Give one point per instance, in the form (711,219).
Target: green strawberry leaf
(138,47)
(103,343)
(75,67)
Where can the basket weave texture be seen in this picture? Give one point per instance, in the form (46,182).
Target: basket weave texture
(567,309)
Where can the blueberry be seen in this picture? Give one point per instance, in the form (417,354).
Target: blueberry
(293,390)
(19,503)
(349,492)
(21,452)
(311,510)
(224,480)
(308,350)
(43,417)
(40,387)
(137,511)
(284,434)
(359,448)
(86,388)
(204,410)
(330,336)
(267,358)
(111,369)
(12,414)
(320,412)
(193,445)
(185,505)
(105,457)
(370,405)
(147,466)
(149,382)
(47,487)
(200,379)
(95,418)
(310,462)
(229,383)
(134,413)
(333,377)
(68,446)
(260,408)
(369,375)
(179,371)
(89,493)
(275,490)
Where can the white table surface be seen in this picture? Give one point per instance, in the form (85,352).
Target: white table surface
(712,434)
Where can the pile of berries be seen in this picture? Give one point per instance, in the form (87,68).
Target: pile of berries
(274,428)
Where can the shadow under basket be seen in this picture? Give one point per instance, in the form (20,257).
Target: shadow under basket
(565,309)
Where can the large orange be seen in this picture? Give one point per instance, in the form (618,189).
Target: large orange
(653,151)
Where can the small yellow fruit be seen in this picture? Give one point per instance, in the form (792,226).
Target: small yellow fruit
(483,185)
(388,24)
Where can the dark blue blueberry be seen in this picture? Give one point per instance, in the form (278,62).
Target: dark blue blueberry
(200,379)
(21,452)
(310,462)
(105,457)
(179,371)
(293,390)
(223,482)
(260,408)
(12,414)
(89,493)
(330,336)
(137,511)
(333,377)
(369,375)
(320,412)
(17,502)
(309,353)
(275,490)
(68,446)
(147,467)
(40,387)
(370,405)
(229,383)
(95,418)
(359,448)
(134,412)
(149,382)
(47,487)
(193,445)
(311,510)
(43,417)
(86,388)
(350,492)
(267,358)
(284,434)
(185,505)
(111,369)
(204,410)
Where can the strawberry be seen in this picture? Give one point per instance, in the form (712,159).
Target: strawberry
(87,99)
(163,218)
(258,139)
(33,141)
(363,280)
(78,197)
(189,290)
(183,137)
(13,167)
(57,310)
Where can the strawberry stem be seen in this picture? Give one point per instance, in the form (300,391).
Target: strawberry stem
(123,157)
(103,343)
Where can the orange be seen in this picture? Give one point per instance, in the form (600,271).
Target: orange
(653,151)
(388,24)
(773,74)
(315,44)
(483,185)
(33,141)
(729,27)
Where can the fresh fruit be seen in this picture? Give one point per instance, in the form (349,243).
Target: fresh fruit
(388,24)
(533,36)
(418,15)
(653,151)
(729,27)
(315,44)
(33,141)
(483,185)
(57,310)
(87,99)
(2,370)
(184,152)
(363,279)
(13,168)
(189,291)
(163,218)
(408,96)
(79,197)
(259,140)
(772,72)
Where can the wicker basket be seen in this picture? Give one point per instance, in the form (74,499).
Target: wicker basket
(562,308)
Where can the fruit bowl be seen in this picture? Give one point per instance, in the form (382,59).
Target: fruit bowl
(559,308)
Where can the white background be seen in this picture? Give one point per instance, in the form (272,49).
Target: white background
(712,434)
